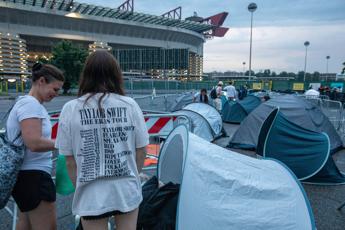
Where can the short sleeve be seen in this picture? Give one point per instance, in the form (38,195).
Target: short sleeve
(64,138)
(141,133)
(29,108)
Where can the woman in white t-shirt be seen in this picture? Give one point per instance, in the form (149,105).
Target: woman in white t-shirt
(103,136)
(34,191)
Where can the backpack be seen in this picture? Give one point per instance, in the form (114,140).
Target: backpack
(213,93)
(158,209)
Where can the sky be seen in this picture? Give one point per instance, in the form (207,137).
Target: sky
(280,28)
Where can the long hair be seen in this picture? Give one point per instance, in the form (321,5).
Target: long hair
(101,74)
(205,97)
(49,72)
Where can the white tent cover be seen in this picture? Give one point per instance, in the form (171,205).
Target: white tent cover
(222,189)
(199,125)
(210,114)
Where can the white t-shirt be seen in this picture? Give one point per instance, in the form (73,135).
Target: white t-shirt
(219,91)
(29,107)
(103,143)
(230,91)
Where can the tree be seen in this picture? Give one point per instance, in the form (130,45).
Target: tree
(273,74)
(70,59)
(343,71)
(252,73)
(267,73)
(292,75)
(283,74)
(316,76)
(300,76)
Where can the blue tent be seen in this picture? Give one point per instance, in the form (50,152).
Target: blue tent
(295,109)
(236,111)
(305,152)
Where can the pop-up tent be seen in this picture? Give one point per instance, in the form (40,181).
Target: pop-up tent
(180,102)
(236,111)
(305,152)
(221,188)
(296,109)
(205,120)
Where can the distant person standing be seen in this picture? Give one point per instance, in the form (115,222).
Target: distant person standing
(215,95)
(230,91)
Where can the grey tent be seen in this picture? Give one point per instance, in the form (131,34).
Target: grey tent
(221,188)
(171,155)
(205,120)
(305,152)
(295,109)
(179,102)
(236,111)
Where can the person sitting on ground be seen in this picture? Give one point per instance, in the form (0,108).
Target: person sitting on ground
(231,91)
(201,97)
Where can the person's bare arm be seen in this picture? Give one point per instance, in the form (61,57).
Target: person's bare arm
(140,158)
(31,131)
(71,169)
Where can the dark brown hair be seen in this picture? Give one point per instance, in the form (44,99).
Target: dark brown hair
(206,97)
(49,72)
(101,74)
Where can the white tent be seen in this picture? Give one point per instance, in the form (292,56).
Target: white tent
(222,189)
(199,125)
(210,114)
(206,122)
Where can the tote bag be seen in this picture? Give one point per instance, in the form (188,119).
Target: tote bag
(11,159)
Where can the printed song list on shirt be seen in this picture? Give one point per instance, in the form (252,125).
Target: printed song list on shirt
(105,130)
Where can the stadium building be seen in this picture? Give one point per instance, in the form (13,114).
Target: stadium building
(160,46)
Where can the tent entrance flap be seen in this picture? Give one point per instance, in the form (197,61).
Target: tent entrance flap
(170,161)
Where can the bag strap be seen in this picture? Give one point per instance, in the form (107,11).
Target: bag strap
(19,134)
(6,116)
(8,112)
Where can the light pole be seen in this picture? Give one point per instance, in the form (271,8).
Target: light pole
(251,7)
(306,44)
(327,58)
(244,68)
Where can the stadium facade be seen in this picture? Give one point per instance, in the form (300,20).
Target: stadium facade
(158,46)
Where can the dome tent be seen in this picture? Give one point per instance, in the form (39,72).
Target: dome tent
(236,111)
(296,109)
(206,176)
(305,152)
(205,120)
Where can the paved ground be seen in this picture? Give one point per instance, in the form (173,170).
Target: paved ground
(324,199)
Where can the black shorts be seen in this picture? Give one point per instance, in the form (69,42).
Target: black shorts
(31,188)
(104,215)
